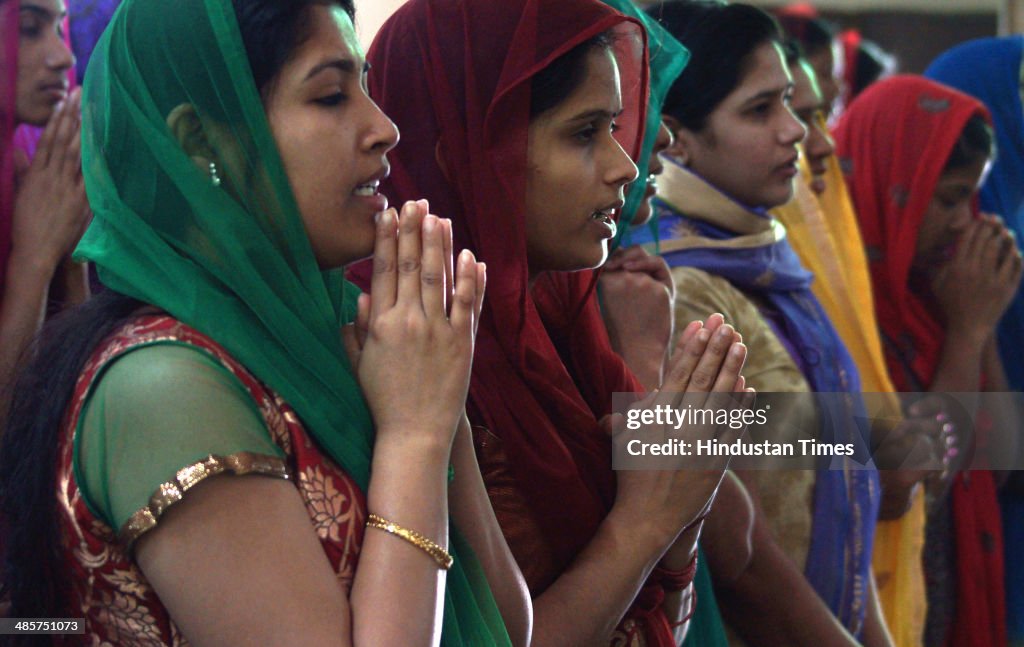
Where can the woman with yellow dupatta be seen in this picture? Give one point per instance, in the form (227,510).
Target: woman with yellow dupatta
(823,230)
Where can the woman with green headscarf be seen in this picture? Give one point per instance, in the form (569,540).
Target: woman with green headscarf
(232,158)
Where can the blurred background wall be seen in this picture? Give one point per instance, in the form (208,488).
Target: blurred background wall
(915,31)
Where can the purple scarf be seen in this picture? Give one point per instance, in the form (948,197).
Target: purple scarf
(845,500)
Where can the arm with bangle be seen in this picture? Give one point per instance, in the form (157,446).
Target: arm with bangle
(409,487)
(674,573)
(651,509)
(258,574)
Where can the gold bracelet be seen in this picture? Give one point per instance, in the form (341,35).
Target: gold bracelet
(440,555)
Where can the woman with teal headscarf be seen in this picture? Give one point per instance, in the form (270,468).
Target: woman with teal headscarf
(638,270)
(990,69)
(232,158)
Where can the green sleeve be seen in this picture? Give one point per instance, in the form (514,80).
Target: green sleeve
(152,412)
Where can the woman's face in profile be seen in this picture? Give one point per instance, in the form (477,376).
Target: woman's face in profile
(43,60)
(333,139)
(655,168)
(948,215)
(748,147)
(809,106)
(823,62)
(576,171)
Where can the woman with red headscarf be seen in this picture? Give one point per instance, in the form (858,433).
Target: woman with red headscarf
(43,209)
(914,153)
(512,115)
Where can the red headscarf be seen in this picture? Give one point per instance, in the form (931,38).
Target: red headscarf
(455,77)
(894,141)
(8,99)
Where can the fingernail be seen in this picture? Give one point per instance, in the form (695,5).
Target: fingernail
(465,256)
(725,331)
(423,204)
(738,350)
(429,224)
(703,335)
(387,218)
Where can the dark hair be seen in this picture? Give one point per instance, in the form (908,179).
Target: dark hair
(273,29)
(721,39)
(977,142)
(793,51)
(34,575)
(871,61)
(814,34)
(28,457)
(556,82)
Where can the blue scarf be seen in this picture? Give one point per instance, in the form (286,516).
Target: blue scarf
(989,69)
(88,19)
(750,250)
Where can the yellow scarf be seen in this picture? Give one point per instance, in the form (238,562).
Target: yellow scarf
(824,232)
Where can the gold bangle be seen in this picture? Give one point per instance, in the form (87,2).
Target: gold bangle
(440,555)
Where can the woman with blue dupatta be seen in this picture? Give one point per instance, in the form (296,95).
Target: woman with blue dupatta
(734,158)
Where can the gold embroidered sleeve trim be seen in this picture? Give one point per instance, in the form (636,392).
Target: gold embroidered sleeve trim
(170,492)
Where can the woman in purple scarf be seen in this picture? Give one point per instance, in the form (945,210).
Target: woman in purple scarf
(735,156)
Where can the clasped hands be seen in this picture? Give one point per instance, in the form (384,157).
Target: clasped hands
(411,345)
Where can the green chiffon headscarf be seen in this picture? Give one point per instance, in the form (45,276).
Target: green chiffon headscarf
(232,261)
(668,58)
